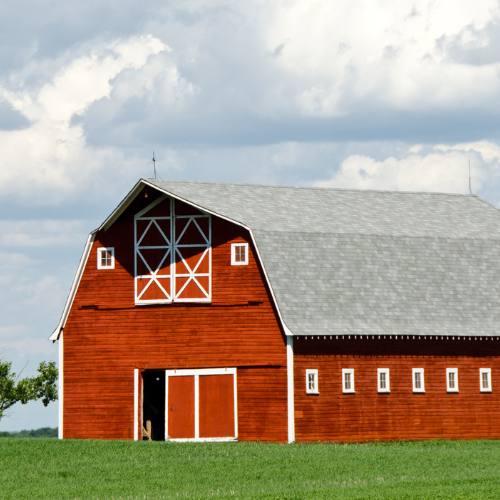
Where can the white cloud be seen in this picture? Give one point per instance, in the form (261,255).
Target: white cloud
(342,55)
(50,160)
(84,80)
(8,332)
(489,151)
(29,346)
(44,292)
(10,261)
(443,169)
(416,148)
(255,73)
(42,233)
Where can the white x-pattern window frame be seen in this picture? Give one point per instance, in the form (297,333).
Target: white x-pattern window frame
(192,274)
(167,282)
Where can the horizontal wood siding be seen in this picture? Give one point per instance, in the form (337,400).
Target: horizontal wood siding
(259,389)
(107,336)
(402,414)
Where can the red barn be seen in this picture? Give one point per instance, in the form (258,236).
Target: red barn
(205,311)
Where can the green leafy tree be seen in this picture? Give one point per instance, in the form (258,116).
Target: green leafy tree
(14,390)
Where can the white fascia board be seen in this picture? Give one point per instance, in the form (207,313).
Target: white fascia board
(124,204)
(74,287)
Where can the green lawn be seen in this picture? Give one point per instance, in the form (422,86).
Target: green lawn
(47,468)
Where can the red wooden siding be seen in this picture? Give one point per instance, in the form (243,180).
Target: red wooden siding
(107,336)
(401,414)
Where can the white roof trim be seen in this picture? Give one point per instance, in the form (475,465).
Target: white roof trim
(110,221)
(123,205)
(74,287)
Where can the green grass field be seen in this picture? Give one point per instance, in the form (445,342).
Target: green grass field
(47,468)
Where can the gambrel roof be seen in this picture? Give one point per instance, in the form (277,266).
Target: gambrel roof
(348,262)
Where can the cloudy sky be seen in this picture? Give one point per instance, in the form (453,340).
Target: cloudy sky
(381,94)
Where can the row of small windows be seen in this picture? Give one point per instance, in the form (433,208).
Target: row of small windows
(383,380)
(239,256)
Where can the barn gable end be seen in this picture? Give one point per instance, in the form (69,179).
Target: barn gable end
(109,333)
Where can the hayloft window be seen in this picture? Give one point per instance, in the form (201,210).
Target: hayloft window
(312,382)
(485,379)
(348,380)
(239,254)
(172,253)
(383,380)
(452,379)
(418,380)
(105,258)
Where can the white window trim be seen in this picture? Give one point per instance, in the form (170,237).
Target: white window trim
(111,250)
(387,389)
(315,390)
(448,371)
(233,254)
(488,372)
(413,372)
(172,248)
(346,371)
(197,372)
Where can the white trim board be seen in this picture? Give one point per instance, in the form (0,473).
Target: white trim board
(74,287)
(199,371)
(290,389)
(136,404)
(60,388)
(203,440)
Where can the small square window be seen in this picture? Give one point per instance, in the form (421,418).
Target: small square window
(239,254)
(105,258)
(383,380)
(452,379)
(485,379)
(312,382)
(348,380)
(418,380)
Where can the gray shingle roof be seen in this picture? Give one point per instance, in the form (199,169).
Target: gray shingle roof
(344,262)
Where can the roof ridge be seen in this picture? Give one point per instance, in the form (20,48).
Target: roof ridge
(321,188)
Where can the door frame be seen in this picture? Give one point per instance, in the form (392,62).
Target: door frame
(196,373)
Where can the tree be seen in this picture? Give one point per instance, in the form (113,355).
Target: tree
(15,390)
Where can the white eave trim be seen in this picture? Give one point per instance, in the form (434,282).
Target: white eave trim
(74,287)
(124,204)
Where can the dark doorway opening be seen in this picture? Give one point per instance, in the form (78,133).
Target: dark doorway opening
(153,405)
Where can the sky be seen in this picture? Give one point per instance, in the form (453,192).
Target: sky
(378,94)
